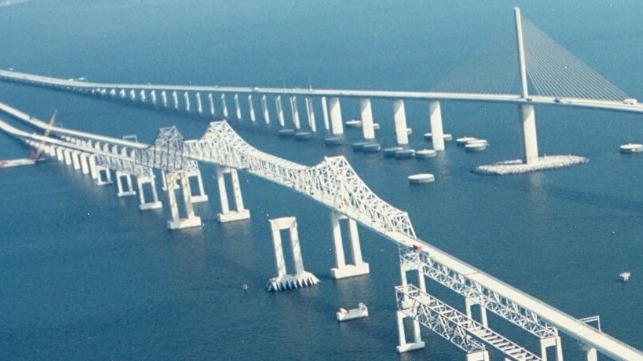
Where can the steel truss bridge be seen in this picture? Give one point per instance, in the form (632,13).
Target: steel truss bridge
(334,183)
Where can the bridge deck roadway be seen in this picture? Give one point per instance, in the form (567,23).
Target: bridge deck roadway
(72,84)
(567,324)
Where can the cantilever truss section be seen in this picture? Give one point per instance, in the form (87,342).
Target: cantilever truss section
(167,152)
(332,182)
(466,286)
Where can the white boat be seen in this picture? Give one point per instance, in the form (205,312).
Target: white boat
(350,314)
(631,148)
(8,163)
(421,178)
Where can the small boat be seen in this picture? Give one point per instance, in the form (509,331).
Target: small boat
(625,276)
(425,153)
(390,152)
(630,148)
(464,140)
(8,163)
(405,153)
(353,123)
(421,178)
(331,141)
(351,314)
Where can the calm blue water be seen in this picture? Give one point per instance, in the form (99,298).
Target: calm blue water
(86,276)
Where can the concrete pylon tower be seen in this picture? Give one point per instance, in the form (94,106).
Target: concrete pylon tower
(341,269)
(239,213)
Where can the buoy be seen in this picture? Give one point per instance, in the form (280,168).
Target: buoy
(625,276)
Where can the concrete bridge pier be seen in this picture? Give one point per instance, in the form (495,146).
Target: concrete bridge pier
(175,99)
(141,181)
(435,119)
(324,105)
(284,280)
(190,219)
(200,196)
(67,155)
(186,99)
(280,111)
(529,137)
(399,115)
(60,155)
(104,175)
(132,95)
(343,270)
(211,103)
(294,112)
(164,183)
(591,353)
(251,109)
(75,159)
(337,125)
(93,170)
(404,345)
(237,106)
(310,112)
(224,106)
(122,93)
(142,96)
(552,341)
(199,104)
(153,97)
(368,130)
(226,214)
(264,110)
(122,190)
(84,163)
(468,302)
(164,98)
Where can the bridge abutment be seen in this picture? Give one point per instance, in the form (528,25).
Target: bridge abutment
(284,280)
(190,219)
(341,269)
(226,214)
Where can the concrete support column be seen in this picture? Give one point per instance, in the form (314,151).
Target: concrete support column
(142,96)
(405,346)
(190,219)
(399,114)
(283,280)
(122,190)
(237,107)
(591,353)
(67,155)
(84,163)
(264,110)
(435,119)
(368,130)
(140,182)
(211,103)
(132,95)
(280,111)
(60,155)
(104,175)
(224,106)
(199,104)
(529,137)
(482,355)
(122,93)
(324,106)
(153,96)
(186,100)
(251,109)
(337,125)
(547,342)
(75,159)
(164,98)
(226,214)
(294,112)
(175,98)
(343,270)
(469,302)
(200,196)
(93,171)
(310,112)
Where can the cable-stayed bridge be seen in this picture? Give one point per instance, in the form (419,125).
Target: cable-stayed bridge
(334,184)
